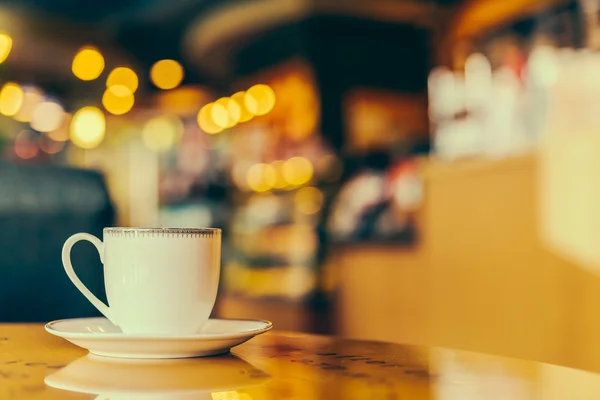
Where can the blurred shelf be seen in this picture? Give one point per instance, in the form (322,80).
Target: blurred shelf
(310,317)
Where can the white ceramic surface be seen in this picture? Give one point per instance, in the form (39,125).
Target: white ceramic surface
(119,379)
(158,281)
(101,337)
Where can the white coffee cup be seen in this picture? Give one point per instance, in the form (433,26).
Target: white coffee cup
(159,281)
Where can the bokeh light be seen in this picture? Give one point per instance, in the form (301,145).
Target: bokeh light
(308,200)
(240,99)
(32,96)
(11,99)
(118,100)
(280,182)
(123,76)
(478,80)
(88,64)
(47,116)
(161,133)
(297,171)
(27,144)
(119,90)
(88,128)
(260,99)
(230,117)
(543,66)
(205,120)
(166,74)
(5,46)
(182,100)
(61,134)
(50,146)
(219,114)
(330,168)
(261,177)
(234,111)
(239,170)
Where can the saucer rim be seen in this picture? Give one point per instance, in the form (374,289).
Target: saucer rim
(201,336)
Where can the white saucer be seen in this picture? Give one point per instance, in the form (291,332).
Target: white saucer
(120,379)
(101,337)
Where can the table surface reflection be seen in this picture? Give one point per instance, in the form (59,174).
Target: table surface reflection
(36,365)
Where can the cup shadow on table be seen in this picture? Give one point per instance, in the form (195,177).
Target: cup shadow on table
(118,379)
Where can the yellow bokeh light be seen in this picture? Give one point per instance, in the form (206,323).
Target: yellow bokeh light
(308,200)
(297,171)
(88,128)
(251,104)
(47,116)
(166,74)
(219,115)
(240,99)
(161,133)
(11,99)
(235,111)
(205,121)
(123,76)
(120,90)
(117,104)
(5,46)
(232,109)
(260,99)
(261,177)
(280,182)
(31,98)
(182,100)
(88,64)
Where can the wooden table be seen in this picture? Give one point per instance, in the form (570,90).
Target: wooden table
(280,366)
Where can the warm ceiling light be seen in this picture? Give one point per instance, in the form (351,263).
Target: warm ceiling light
(88,128)
(123,76)
(166,74)
(11,99)
(88,64)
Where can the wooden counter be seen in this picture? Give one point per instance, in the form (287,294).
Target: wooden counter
(37,366)
(480,278)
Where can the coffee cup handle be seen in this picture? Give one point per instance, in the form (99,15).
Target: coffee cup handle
(66,259)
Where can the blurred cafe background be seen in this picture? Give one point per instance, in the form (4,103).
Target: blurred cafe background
(413,171)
